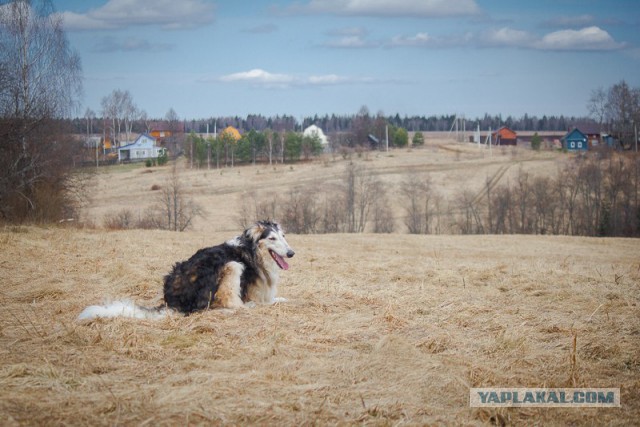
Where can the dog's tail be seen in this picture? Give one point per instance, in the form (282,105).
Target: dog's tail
(123,309)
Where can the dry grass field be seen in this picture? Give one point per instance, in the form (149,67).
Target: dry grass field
(378,330)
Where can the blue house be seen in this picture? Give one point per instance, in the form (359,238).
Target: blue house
(144,147)
(576,141)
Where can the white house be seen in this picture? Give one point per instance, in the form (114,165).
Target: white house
(141,149)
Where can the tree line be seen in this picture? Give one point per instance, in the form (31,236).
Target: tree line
(330,123)
(594,195)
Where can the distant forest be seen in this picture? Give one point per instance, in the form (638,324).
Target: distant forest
(344,123)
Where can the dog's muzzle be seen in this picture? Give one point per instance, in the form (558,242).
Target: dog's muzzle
(280,260)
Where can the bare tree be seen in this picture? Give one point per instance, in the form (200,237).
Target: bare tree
(144,118)
(130,113)
(420,203)
(383,221)
(360,189)
(414,218)
(174,210)
(109,113)
(119,107)
(173,122)
(252,208)
(623,110)
(269,135)
(301,214)
(90,116)
(40,82)
(361,127)
(597,105)
(470,222)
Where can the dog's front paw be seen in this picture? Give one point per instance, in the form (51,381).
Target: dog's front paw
(279,299)
(250,304)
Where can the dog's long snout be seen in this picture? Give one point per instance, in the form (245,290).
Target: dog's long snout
(290,253)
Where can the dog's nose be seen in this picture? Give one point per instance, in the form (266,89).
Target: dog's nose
(290,253)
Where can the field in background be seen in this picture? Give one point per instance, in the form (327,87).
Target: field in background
(379,329)
(452,167)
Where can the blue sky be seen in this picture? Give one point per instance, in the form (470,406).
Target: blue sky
(412,57)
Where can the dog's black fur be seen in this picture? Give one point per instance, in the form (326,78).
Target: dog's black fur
(192,284)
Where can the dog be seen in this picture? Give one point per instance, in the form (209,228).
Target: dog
(238,273)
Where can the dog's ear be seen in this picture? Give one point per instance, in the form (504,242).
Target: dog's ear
(255,232)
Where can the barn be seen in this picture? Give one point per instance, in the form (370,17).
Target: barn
(504,136)
(575,140)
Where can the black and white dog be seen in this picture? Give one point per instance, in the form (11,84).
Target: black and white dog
(240,272)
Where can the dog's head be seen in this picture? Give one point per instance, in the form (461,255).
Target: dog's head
(269,238)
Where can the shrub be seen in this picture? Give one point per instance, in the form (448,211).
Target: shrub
(121,220)
(536,142)
(163,158)
(418,139)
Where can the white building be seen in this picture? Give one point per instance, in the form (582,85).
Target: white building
(141,149)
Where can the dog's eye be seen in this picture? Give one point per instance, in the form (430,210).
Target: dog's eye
(272,238)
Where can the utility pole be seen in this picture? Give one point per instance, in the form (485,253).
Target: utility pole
(387,136)
(490,142)
(464,129)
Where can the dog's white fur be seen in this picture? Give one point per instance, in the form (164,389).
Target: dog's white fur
(123,308)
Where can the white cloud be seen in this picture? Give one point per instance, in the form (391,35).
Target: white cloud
(349,42)
(327,80)
(167,14)
(506,37)
(586,39)
(406,8)
(262,78)
(349,38)
(420,39)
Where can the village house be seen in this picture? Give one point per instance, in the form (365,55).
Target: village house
(504,136)
(575,140)
(163,130)
(144,147)
(592,132)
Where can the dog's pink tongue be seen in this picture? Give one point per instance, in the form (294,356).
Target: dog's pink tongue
(280,261)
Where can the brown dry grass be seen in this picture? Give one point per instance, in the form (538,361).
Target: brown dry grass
(378,330)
